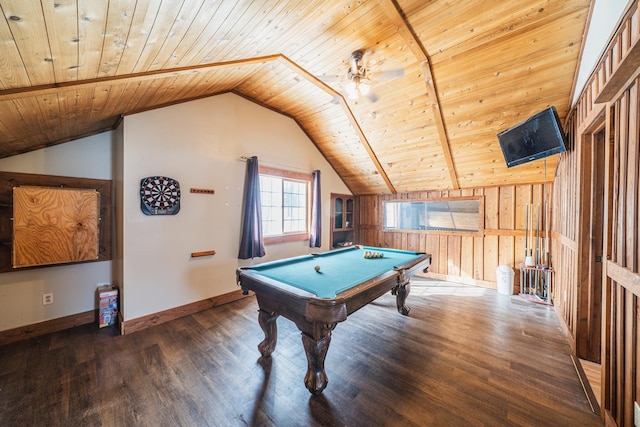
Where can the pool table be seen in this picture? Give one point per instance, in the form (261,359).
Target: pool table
(318,291)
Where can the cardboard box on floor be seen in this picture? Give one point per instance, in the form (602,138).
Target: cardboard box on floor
(107,305)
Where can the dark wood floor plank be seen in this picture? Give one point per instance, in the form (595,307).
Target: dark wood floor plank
(464,356)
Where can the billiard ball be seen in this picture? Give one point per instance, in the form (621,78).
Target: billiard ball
(317,267)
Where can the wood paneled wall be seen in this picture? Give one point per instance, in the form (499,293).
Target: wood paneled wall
(622,287)
(564,223)
(462,257)
(610,107)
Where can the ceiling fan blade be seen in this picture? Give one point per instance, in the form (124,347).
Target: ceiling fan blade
(330,77)
(388,74)
(366,53)
(372,96)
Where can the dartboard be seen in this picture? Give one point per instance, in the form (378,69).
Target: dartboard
(159,195)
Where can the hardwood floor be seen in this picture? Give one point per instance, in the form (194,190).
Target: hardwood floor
(464,356)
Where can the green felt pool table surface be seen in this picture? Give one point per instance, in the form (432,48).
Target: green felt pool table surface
(339,270)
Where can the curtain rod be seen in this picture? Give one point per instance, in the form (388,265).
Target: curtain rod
(275,165)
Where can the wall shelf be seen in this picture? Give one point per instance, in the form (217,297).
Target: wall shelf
(202,253)
(203,190)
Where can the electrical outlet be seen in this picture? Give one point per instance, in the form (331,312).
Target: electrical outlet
(47,299)
(636,414)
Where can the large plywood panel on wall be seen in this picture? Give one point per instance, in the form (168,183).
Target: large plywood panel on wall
(10,180)
(54,225)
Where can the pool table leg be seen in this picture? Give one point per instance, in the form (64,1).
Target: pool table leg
(401,291)
(316,350)
(268,324)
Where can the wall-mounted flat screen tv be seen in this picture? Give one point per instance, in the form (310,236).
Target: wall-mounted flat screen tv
(539,136)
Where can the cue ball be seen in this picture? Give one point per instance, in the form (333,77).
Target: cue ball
(317,267)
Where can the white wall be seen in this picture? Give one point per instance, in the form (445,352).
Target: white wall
(199,144)
(606,15)
(73,286)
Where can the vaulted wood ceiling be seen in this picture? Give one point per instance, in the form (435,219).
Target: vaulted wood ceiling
(72,68)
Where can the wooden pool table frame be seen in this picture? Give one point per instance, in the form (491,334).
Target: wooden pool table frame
(317,317)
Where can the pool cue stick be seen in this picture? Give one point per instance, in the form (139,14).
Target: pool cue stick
(531,232)
(543,229)
(538,238)
(547,248)
(523,272)
(526,231)
(545,204)
(538,251)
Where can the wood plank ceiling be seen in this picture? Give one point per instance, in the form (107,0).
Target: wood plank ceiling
(72,68)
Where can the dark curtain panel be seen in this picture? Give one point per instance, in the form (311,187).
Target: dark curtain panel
(316,211)
(251,245)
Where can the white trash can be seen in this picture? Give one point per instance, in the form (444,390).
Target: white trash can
(505,275)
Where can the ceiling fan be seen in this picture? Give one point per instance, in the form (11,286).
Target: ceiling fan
(359,76)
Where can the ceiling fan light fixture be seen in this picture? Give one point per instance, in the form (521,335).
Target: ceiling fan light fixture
(352,90)
(358,83)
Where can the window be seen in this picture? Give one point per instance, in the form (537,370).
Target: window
(444,215)
(285,198)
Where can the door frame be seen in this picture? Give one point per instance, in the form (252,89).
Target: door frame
(594,226)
